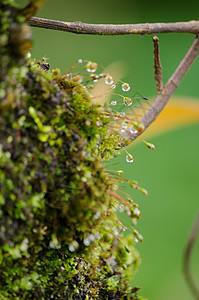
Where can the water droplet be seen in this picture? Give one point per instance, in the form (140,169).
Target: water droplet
(116,232)
(127,101)
(139,126)
(138,236)
(91,237)
(149,145)
(97,235)
(133,130)
(109,79)
(125,228)
(99,123)
(136,240)
(28,55)
(86,241)
(120,172)
(122,114)
(73,246)
(136,212)
(97,215)
(102,75)
(94,77)
(113,86)
(124,125)
(121,208)
(91,67)
(125,87)
(78,79)
(129,158)
(80,61)
(113,102)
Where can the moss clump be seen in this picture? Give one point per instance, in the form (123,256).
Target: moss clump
(55,195)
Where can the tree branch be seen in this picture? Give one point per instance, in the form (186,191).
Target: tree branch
(161,100)
(173,82)
(103,29)
(192,285)
(32,8)
(157,65)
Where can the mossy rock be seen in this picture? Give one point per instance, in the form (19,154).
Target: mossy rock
(55,197)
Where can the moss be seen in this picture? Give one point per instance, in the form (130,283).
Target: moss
(55,195)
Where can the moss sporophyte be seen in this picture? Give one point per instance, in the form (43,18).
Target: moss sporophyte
(61,237)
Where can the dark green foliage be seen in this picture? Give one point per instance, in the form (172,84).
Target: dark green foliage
(55,195)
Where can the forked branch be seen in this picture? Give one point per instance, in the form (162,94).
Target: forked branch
(162,98)
(172,84)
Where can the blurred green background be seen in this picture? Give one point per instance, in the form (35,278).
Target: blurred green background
(171,172)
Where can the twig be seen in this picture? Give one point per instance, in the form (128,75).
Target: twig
(103,29)
(173,82)
(161,100)
(32,8)
(190,280)
(157,65)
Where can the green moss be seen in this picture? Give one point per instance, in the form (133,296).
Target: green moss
(55,195)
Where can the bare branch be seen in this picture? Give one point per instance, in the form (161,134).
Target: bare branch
(32,8)
(173,82)
(157,65)
(192,237)
(103,29)
(161,100)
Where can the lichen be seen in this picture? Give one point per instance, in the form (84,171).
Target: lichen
(57,236)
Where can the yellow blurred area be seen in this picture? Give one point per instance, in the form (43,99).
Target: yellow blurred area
(179,112)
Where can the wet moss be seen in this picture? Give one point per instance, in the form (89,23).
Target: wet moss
(55,197)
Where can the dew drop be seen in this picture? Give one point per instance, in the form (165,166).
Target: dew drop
(129,158)
(97,215)
(127,101)
(94,77)
(97,235)
(133,130)
(113,86)
(109,79)
(122,114)
(136,240)
(120,172)
(149,145)
(80,61)
(136,212)
(124,228)
(91,67)
(73,246)
(124,125)
(98,123)
(138,236)
(28,55)
(91,237)
(125,87)
(113,102)
(116,232)
(102,75)
(121,208)
(86,241)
